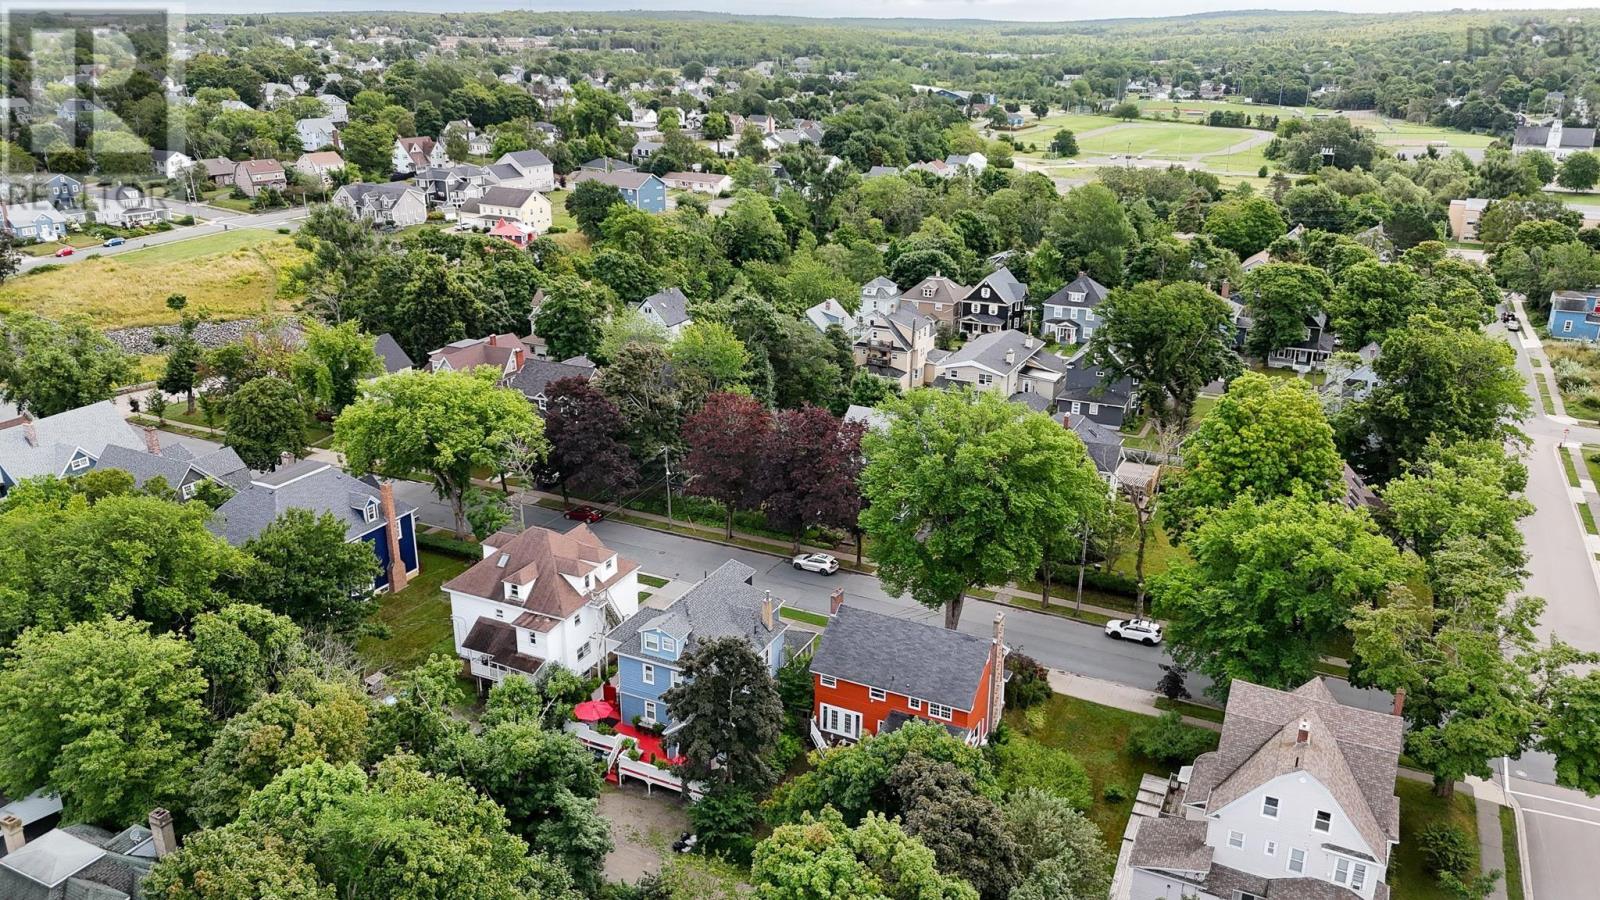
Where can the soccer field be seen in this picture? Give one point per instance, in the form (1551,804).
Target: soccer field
(1169,140)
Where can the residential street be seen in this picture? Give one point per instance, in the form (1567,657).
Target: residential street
(222,220)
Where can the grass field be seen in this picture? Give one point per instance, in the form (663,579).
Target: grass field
(418,619)
(1409,878)
(231,275)
(1245,162)
(1098,736)
(1042,130)
(1169,139)
(1198,110)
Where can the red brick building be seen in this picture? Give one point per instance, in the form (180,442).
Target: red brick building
(872,673)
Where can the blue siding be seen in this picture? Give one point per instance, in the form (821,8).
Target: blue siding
(1573,326)
(378,539)
(651,197)
(632,691)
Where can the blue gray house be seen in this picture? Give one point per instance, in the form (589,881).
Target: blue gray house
(1069,314)
(1575,315)
(365,505)
(67,443)
(640,190)
(650,644)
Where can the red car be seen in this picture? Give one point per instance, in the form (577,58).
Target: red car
(585,514)
(66,251)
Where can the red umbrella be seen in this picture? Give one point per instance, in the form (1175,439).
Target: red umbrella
(594,710)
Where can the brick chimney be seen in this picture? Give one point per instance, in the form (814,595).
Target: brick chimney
(835,601)
(1303,736)
(1226,289)
(397,565)
(1399,701)
(997,675)
(15,839)
(152,441)
(766,610)
(29,432)
(166,840)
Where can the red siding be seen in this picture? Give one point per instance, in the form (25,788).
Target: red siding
(857,698)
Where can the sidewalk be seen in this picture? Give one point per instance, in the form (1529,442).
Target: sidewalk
(1117,696)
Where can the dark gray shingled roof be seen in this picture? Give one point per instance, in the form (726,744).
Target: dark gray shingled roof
(671,305)
(92,428)
(394,358)
(308,484)
(904,657)
(1539,136)
(538,374)
(174,463)
(1083,381)
(724,604)
(527,159)
(1103,444)
(1093,293)
(1005,285)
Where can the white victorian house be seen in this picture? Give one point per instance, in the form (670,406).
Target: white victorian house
(540,597)
(1297,801)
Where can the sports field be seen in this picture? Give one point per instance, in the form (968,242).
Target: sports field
(1163,140)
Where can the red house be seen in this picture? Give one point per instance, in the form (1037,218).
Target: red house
(872,673)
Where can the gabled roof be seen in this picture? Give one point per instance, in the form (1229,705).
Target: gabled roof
(1538,136)
(1005,285)
(174,464)
(830,312)
(538,374)
(724,604)
(307,484)
(625,180)
(91,428)
(394,358)
(1093,293)
(1353,752)
(326,158)
(500,195)
(607,164)
(541,557)
(495,350)
(901,325)
(1083,381)
(670,305)
(901,656)
(525,159)
(880,287)
(989,351)
(1103,444)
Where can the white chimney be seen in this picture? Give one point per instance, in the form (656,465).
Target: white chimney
(1011,357)
(1304,736)
(15,839)
(165,839)
(766,610)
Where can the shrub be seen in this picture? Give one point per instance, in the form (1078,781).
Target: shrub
(1170,741)
(1114,793)
(1446,849)
(1261,172)
(1570,374)
(1023,763)
(726,820)
(785,751)
(450,546)
(635,755)
(1029,684)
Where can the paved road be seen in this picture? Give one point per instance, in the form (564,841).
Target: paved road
(224,220)
(1056,642)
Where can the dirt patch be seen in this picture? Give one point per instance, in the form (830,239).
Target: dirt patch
(642,828)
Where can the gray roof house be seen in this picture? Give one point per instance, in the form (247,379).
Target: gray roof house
(1553,138)
(182,470)
(668,308)
(68,443)
(82,862)
(394,358)
(364,505)
(996,304)
(1104,444)
(1069,314)
(1296,801)
(394,203)
(536,376)
(1085,392)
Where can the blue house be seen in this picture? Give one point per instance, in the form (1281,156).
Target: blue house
(65,444)
(37,221)
(365,505)
(640,190)
(1575,315)
(650,644)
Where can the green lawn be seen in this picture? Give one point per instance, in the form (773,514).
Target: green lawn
(1167,139)
(1160,553)
(1409,878)
(1508,840)
(1198,110)
(804,615)
(1245,162)
(558,211)
(654,581)
(418,619)
(1041,131)
(1098,736)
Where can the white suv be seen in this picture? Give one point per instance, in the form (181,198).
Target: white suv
(816,562)
(1142,630)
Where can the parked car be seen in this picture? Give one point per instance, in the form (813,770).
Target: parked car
(585,514)
(115,242)
(1514,324)
(1142,630)
(66,251)
(816,562)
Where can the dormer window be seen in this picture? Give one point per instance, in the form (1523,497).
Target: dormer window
(1075,296)
(669,645)
(652,642)
(370,512)
(927,292)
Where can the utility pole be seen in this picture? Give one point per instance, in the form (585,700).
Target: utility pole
(1083,557)
(666,460)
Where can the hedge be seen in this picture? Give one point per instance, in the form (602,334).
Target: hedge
(449,545)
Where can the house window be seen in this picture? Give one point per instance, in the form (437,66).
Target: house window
(647,674)
(577,619)
(840,721)
(1076,407)
(1072,314)
(1269,807)
(1297,860)
(877,694)
(668,644)
(927,292)
(938,307)
(940,711)
(1324,821)
(1566,326)
(1236,840)
(985,378)
(499,613)
(188,490)
(1341,870)
(676,678)
(649,712)
(1358,876)
(584,650)
(79,463)
(1270,848)
(828,680)
(651,642)
(1088,315)
(1094,409)
(914,703)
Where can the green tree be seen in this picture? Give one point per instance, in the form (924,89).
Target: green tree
(49,367)
(443,424)
(1089,231)
(184,354)
(1579,171)
(1172,339)
(1282,296)
(821,858)
(712,350)
(104,713)
(1469,489)
(571,316)
(369,146)
(244,651)
(590,202)
(334,362)
(266,420)
(232,863)
(1244,224)
(1063,855)
(964,489)
(303,567)
(1270,582)
(1065,143)
(728,712)
(1267,436)
(749,231)
(1372,298)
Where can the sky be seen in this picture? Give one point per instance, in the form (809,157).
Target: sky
(1013,10)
